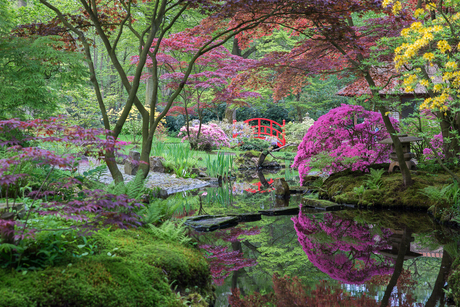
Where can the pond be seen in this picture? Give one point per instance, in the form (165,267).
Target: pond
(315,258)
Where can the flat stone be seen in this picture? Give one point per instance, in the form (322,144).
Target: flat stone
(248,217)
(321,204)
(205,223)
(280,211)
(298,190)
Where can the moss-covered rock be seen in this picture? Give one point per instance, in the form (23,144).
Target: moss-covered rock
(130,268)
(340,188)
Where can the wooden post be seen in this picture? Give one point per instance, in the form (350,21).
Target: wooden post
(284,133)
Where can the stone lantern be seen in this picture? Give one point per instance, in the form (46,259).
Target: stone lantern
(405,142)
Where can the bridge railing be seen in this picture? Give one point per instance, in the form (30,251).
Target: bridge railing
(260,130)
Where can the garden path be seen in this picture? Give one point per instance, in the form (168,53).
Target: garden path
(167,182)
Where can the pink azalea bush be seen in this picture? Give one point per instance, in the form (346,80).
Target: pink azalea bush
(210,136)
(335,143)
(437,143)
(343,249)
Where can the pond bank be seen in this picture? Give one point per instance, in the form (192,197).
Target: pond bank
(126,268)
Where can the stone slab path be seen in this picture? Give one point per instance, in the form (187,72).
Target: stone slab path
(167,182)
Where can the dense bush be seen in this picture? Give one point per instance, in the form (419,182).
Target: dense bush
(255,144)
(294,132)
(211,136)
(335,142)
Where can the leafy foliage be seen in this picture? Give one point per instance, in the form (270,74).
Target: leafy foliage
(205,137)
(255,144)
(171,232)
(347,144)
(328,239)
(134,189)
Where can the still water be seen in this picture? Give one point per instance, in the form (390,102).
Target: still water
(342,258)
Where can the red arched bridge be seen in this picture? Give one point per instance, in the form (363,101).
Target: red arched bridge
(260,129)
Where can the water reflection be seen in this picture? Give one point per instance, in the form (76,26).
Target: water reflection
(343,258)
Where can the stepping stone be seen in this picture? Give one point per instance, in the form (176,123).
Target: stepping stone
(321,204)
(298,189)
(205,223)
(280,211)
(248,217)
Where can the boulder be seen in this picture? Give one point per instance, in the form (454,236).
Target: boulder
(281,188)
(156,164)
(132,163)
(131,167)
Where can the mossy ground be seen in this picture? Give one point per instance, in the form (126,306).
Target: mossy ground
(143,272)
(454,282)
(339,187)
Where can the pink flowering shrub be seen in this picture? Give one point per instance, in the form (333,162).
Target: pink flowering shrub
(341,144)
(343,249)
(437,143)
(211,136)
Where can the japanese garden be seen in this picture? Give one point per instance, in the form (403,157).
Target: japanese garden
(229,153)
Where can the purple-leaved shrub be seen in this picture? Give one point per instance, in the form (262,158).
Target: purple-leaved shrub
(88,209)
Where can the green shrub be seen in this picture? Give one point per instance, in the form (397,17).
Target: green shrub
(294,132)
(255,144)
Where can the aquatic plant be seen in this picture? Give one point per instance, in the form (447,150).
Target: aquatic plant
(221,166)
(348,145)
(345,250)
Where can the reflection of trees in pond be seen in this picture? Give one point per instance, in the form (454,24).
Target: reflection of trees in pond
(291,292)
(345,250)
(223,261)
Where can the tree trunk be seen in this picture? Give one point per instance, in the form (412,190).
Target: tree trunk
(403,247)
(113,167)
(299,114)
(229,114)
(438,289)
(22,3)
(148,87)
(449,148)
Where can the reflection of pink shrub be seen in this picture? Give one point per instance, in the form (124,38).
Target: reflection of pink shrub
(341,143)
(343,249)
(437,143)
(210,135)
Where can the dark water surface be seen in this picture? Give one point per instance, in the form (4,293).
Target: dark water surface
(343,258)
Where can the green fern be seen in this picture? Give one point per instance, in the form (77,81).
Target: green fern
(160,210)
(171,232)
(134,189)
(374,180)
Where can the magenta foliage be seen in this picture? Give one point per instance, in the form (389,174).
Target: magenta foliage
(335,134)
(436,142)
(210,134)
(93,209)
(222,262)
(350,253)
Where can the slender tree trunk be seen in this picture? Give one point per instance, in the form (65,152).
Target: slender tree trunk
(438,289)
(403,248)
